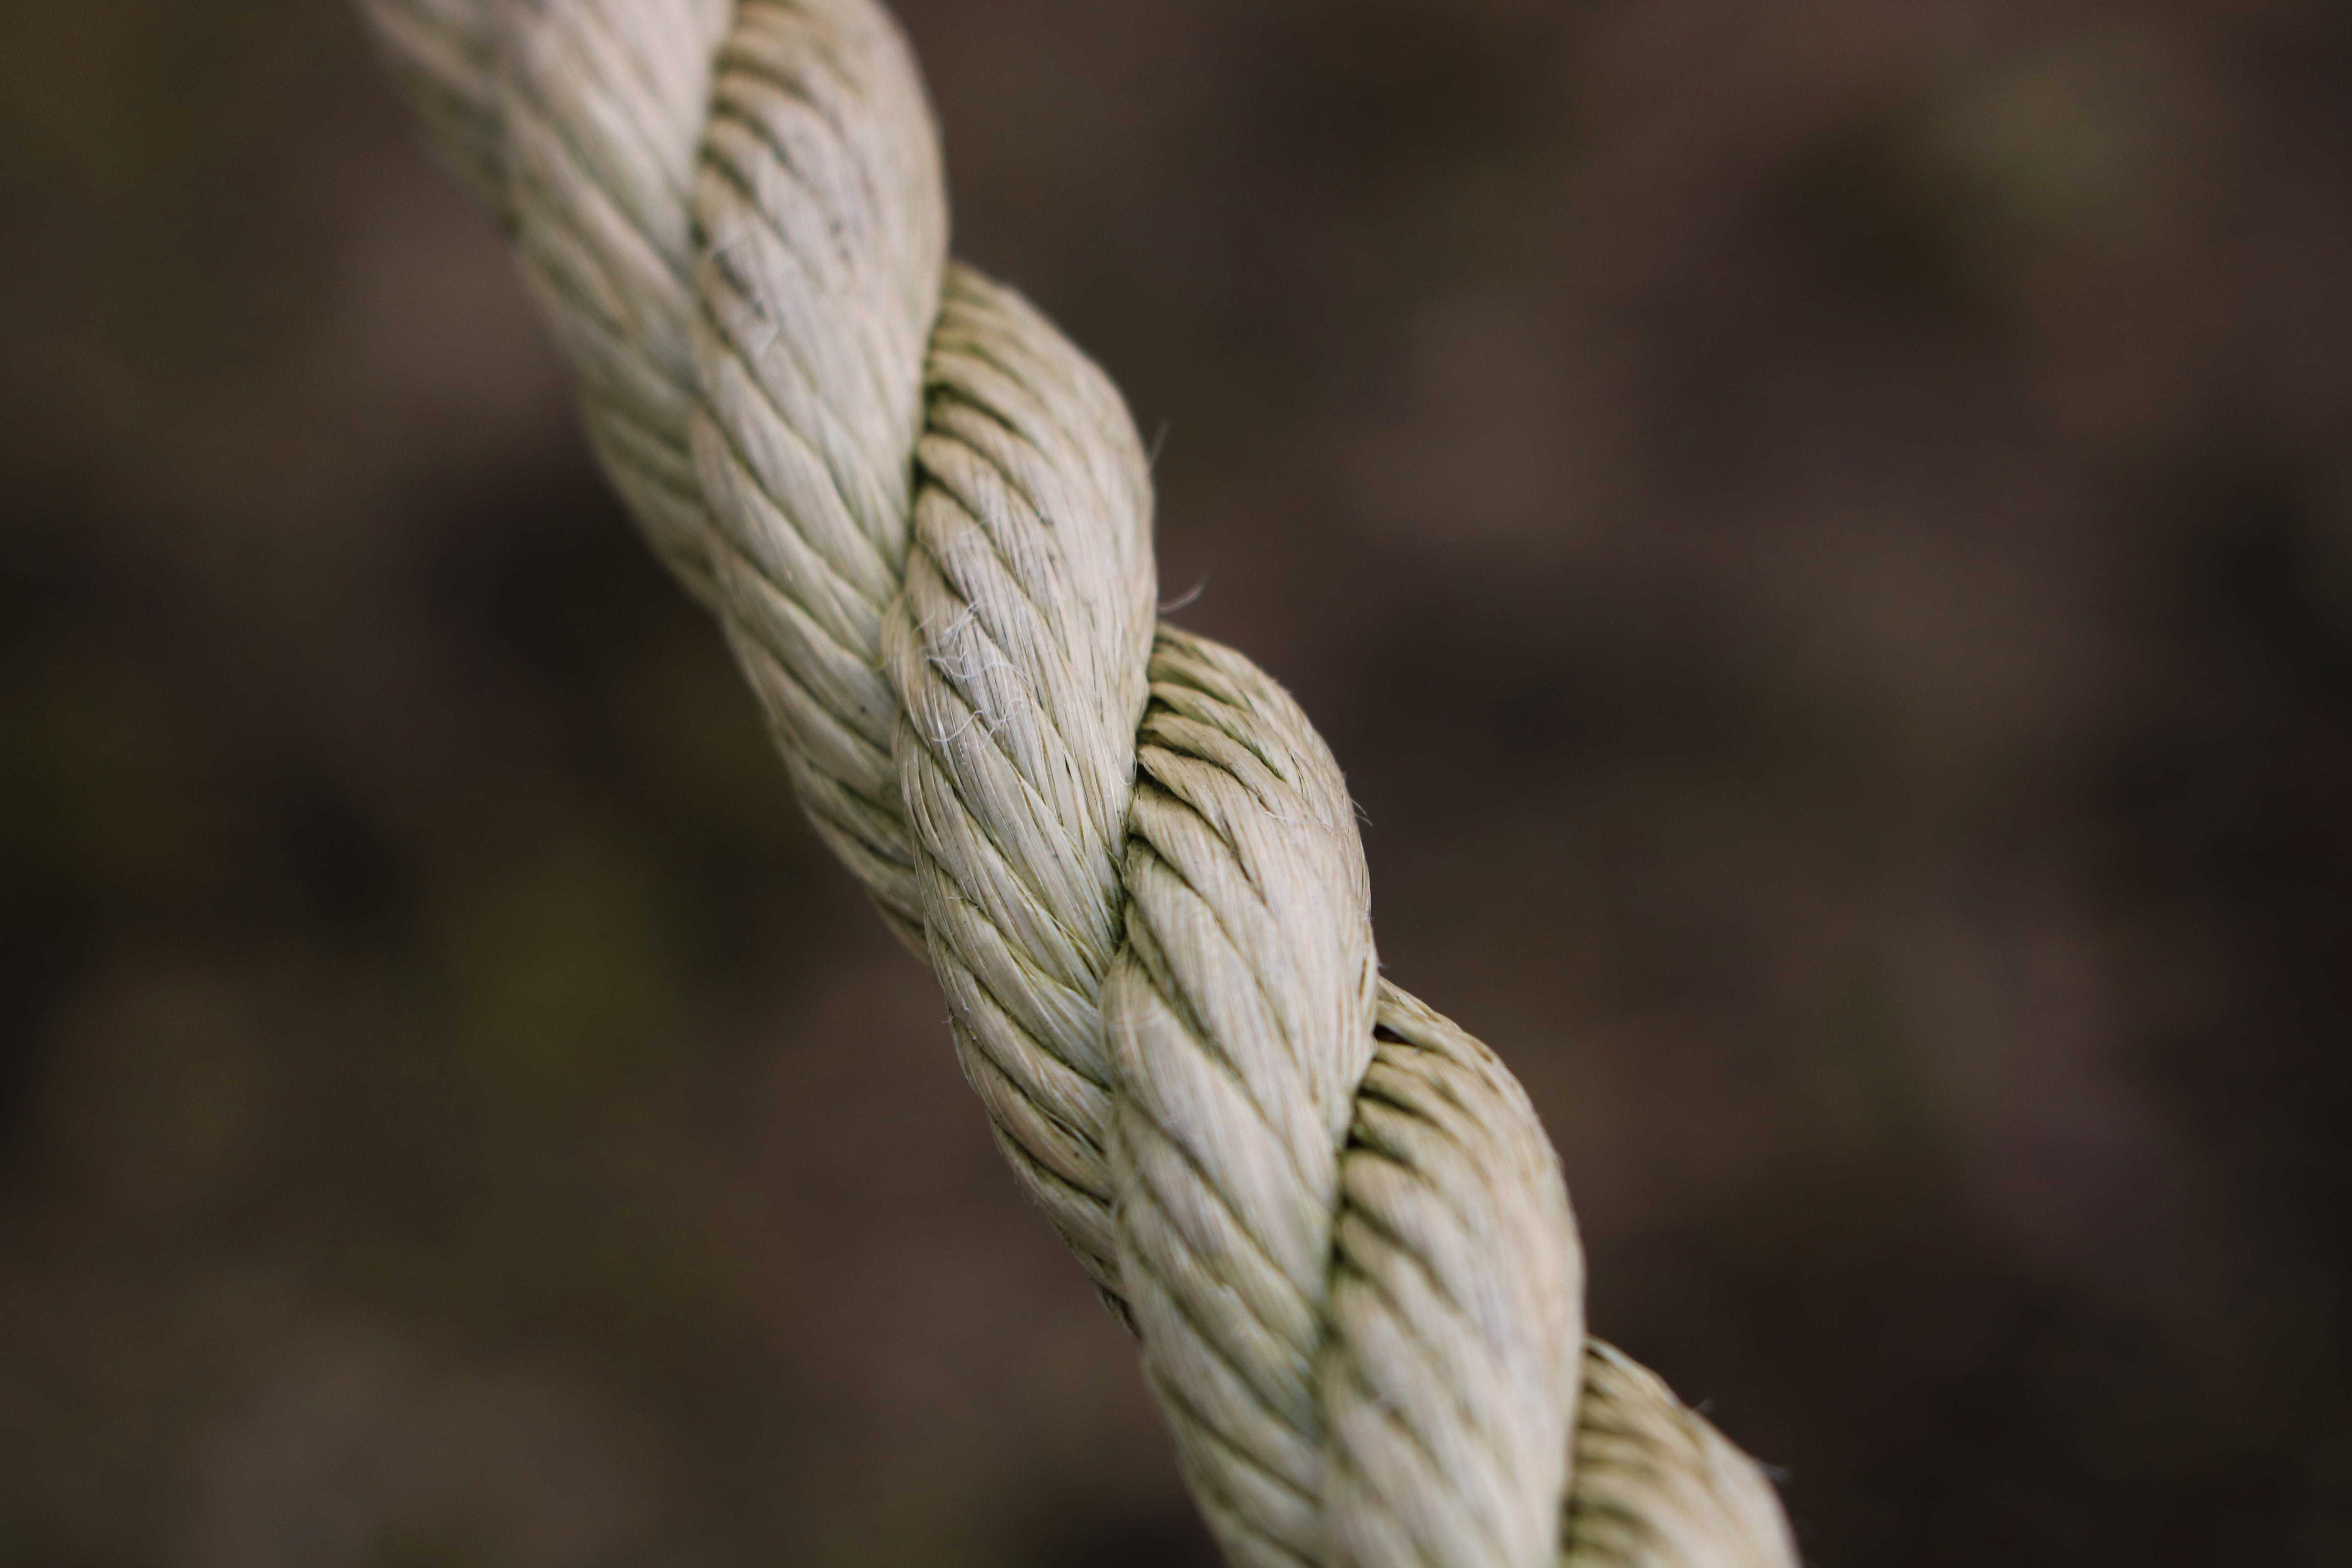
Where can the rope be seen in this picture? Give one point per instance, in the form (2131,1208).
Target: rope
(923,520)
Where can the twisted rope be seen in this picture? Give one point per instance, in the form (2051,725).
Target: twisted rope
(923,520)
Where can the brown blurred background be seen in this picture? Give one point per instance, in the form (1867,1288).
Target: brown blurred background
(1821,531)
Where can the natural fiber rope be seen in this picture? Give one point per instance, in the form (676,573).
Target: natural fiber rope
(923,520)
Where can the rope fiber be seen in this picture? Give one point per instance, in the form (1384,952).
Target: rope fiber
(923,521)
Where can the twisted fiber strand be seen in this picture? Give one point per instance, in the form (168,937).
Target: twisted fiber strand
(923,521)
(1241,1015)
(1020,650)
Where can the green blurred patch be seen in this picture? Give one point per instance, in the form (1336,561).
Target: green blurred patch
(694,736)
(527,1165)
(103,797)
(558,981)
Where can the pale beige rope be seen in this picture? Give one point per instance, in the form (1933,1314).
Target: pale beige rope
(923,521)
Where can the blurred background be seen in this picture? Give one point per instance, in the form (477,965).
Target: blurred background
(1821,533)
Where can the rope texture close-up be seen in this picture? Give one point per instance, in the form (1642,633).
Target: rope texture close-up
(923,520)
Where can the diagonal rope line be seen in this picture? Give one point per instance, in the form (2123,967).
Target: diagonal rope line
(923,521)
